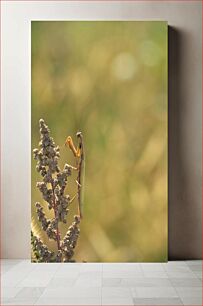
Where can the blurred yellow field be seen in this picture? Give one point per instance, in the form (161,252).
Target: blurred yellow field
(107,79)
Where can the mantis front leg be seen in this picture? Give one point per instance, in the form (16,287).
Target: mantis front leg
(70,144)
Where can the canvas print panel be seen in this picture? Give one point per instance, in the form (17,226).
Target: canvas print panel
(99,141)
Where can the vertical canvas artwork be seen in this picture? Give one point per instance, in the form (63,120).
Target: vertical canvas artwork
(99,141)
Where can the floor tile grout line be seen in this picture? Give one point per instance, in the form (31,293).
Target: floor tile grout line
(14,266)
(102,282)
(132,294)
(175,290)
(46,287)
(192,272)
(23,278)
(196,271)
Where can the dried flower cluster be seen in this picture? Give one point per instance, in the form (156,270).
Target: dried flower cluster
(70,240)
(52,188)
(40,250)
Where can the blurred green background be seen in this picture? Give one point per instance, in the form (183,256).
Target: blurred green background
(108,80)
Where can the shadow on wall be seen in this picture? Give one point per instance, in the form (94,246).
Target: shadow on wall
(184,205)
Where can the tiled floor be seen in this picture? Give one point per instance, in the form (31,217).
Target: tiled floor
(172,283)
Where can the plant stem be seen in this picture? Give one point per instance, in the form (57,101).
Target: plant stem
(55,215)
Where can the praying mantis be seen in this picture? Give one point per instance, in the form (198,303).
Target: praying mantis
(80,167)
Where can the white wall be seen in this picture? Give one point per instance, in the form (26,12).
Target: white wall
(184,112)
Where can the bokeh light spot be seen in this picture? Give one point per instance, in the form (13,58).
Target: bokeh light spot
(124,66)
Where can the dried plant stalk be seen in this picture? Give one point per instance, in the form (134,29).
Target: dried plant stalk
(52,188)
